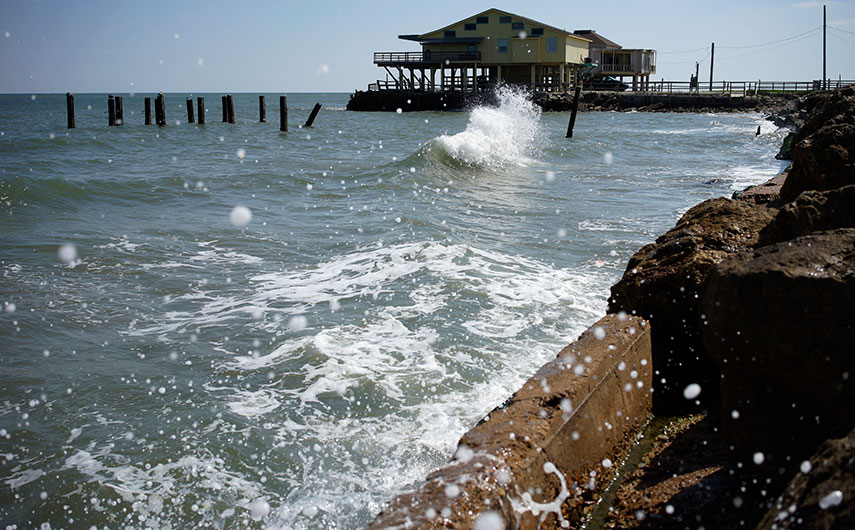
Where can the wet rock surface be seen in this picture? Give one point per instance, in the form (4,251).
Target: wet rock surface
(778,322)
(823,150)
(820,496)
(812,211)
(662,283)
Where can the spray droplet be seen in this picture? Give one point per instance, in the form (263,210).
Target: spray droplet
(240,216)
(297,323)
(759,458)
(608,158)
(599,332)
(489,521)
(67,253)
(258,509)
(692,391)
(832,499)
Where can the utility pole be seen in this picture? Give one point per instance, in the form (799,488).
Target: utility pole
(712,63)
(824,26)
(697,83)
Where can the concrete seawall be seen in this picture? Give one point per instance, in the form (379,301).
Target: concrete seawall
(546,455)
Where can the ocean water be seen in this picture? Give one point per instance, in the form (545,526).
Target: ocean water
(228,326)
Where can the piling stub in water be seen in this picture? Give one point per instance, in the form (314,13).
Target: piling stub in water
(190,117)
(283,113)
(69,105)
(262,111)
(313,115)
(225,110)
(573,111)
(200,107)
(148,111)
(230,103)
(559,436)
(120,111)
(111,110)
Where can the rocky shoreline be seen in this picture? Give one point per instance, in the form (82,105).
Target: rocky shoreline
(783,105)
(717,392)
(751,298)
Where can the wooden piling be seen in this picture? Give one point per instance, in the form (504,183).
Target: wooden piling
(111,111)
(225,110)
(148,111)
(283,113)
(231,104)
(160,109)
(190,118)
(120,111)
(573,111)
(200,107)
(262,112)
(313,115)
(69,104)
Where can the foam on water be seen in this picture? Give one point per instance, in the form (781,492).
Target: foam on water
(495,137)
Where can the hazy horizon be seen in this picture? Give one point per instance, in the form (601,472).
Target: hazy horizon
(99,46)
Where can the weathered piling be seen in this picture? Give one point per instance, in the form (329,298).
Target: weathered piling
(225,110)
(120,111)
(190,117)
(69,104)
(231,104)
(200,107)
(313,115)
(148,111)
(283,113)
(111,111)
(160,109)
(573,111)
(262,111)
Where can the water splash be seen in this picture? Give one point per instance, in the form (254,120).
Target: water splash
(496,137)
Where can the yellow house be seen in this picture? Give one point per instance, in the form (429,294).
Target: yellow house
(484,49)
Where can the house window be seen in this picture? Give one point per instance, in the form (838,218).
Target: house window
(450,33)
(470,26)
(503,45)
(482,20)
(504,20)
(537,31)
(551,44)
(517,26)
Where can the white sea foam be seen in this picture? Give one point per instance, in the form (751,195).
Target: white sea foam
(507,135)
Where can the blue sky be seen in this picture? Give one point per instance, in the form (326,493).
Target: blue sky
(327,46)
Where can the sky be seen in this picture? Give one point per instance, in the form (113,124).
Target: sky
(327,46)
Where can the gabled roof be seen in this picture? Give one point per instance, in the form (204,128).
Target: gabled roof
(421,38)
(596,39)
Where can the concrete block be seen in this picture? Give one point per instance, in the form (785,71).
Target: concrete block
(555,443)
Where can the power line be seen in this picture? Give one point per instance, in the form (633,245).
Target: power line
(765,50)
(843,30)
(838,37)
(684,51)
(773,42)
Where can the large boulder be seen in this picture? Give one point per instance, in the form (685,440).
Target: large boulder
(812,211)
(824,148)
(820,496)
(662,283)
(778,323)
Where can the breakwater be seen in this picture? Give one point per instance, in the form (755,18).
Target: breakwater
(419,100)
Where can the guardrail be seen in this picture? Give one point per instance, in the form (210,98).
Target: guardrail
(425,57)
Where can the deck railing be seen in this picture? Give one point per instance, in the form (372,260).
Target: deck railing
(425,57)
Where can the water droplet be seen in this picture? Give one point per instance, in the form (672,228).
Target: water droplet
(297,323)
(805,467)
(489,521)
(259,509)
(692,391)
(452,491)
(608,158)
(599,333)
(758,458)
(240,216)
(832,499)
(67,253)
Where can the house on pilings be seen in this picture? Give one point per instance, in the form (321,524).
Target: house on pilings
(613,60)
(482,50)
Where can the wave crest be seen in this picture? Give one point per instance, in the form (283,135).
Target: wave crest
(495,137)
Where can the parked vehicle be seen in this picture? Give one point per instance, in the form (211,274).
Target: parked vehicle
(604,83)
